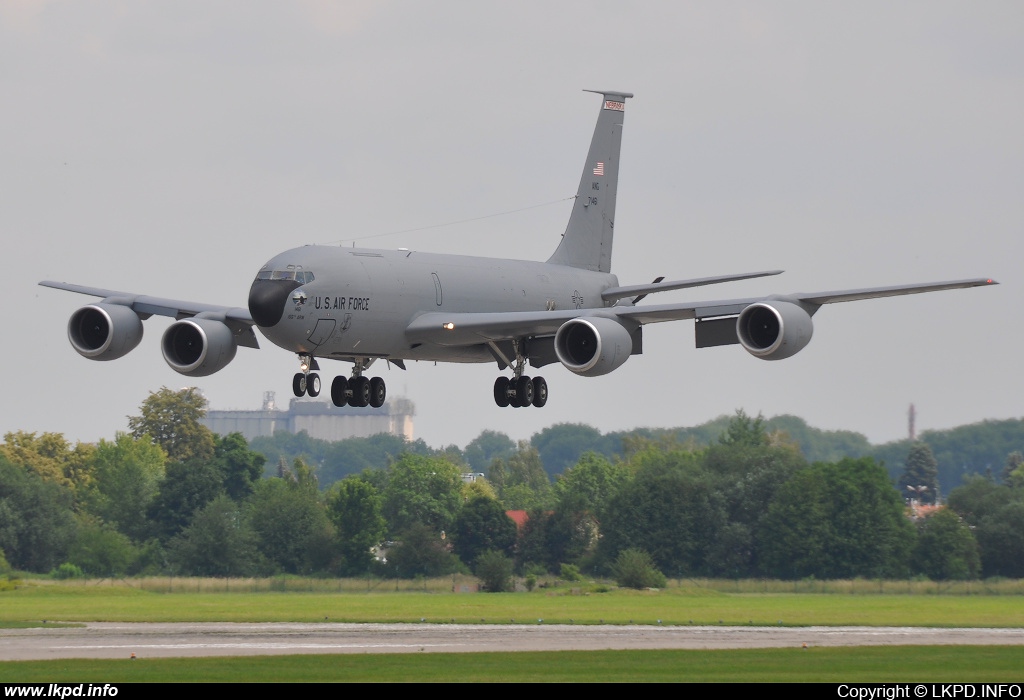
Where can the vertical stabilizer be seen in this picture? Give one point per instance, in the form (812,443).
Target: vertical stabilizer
(587,241)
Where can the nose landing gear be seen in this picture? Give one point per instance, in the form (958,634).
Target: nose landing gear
(306,382)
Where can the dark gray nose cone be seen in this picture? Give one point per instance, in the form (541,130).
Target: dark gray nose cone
(267,299)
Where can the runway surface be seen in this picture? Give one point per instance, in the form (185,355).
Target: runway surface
(121,640)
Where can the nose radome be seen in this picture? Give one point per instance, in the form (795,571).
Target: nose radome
(267,299)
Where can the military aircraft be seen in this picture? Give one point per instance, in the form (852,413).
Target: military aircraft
(364,305)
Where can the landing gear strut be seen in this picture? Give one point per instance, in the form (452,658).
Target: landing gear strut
(520,391)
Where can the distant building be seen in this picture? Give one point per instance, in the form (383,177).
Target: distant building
(320,419)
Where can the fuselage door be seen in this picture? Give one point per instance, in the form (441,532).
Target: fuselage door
(437,288)
(322,331)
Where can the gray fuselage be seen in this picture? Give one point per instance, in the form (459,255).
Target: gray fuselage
(360,301)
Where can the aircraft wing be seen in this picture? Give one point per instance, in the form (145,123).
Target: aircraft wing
(453,329)
(238,319)
(709,309)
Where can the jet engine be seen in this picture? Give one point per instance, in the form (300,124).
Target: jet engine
(593,345)
(104,331)
(774,330)
(198,347)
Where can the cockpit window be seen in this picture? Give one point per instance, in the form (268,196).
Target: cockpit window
(300,276)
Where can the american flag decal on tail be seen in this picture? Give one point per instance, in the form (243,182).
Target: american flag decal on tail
(599,169)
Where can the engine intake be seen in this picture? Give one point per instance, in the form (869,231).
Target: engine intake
(774,331)
(592,346)
(104,331)
(198,347)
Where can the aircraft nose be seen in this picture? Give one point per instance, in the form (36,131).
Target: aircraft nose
(267,300)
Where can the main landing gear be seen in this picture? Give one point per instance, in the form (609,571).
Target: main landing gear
(520,391)
(358,391)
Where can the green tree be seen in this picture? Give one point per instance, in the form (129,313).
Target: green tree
(591,483)
(356,508)
(920,477)
(291,525)
(747,467)
(634,568)
(239,466)
(520,480)
(421,552)
(1013,470)
(996,514)
(422,490)
(37,523)
(745,431)
(102,551)
(51,457)
(1001,539)
(533,545)
(482,526)
(837,521)
(962,451)
(127,475)
(671,509)
(561,446)
(494,570)
(482,450)
(217,542)
(946,548)
(171,419)
(797,533)
(187,487)
(978,498)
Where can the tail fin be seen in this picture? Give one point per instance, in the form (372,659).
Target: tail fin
(587,241)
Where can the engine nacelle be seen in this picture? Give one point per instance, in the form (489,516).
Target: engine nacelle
(104,331)
(593,345)
(774,330)
(198,347)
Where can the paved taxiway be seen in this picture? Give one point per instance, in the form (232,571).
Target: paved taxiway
(121,640)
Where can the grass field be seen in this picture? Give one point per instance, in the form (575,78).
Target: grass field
(701,602)
(844,665)
(673,606)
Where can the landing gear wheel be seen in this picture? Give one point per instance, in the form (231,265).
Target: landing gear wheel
(338,388)
(313,385)
(378,392)
(524,392)
(299,384)
(360,387)
(540,392)
(501,391)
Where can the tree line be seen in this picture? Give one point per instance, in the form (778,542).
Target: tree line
(170,497)
(959,452)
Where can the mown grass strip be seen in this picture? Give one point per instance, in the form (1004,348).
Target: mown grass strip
(671,606)
(845,665)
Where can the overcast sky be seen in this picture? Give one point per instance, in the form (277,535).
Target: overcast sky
(171,148)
